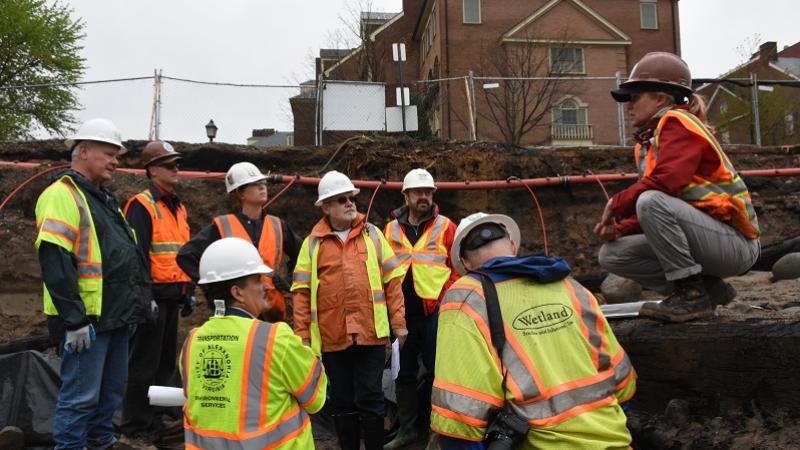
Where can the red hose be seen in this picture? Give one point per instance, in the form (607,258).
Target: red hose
(539,209)
(600,183)
(280,193)
(29,181)
(372,199)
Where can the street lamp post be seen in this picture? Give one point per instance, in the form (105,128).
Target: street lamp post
(211,131)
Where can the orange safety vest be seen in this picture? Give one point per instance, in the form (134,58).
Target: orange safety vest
(722,195)
(169,233)
(270,247)
(427,259)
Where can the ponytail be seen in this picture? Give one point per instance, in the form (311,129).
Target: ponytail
(697,106)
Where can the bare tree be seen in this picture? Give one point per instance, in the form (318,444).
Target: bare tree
(358,21)
(528,87)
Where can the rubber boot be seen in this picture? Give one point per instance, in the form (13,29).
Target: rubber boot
(347,430)
(689,301)
(11,438)
(407,416)
(372,429)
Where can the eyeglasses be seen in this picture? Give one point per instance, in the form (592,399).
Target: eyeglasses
(342,200)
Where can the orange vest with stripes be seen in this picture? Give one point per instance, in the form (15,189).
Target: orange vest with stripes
(169,233)
(561,369)
(249,385)
(722,195)
(427,259)
(270,246)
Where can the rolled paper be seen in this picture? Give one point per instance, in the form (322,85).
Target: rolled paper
(166,396)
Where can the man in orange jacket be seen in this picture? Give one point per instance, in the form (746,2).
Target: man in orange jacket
(347,293)
(159,219)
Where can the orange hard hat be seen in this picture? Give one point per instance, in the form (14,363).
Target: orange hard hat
(657,72)
(158,151)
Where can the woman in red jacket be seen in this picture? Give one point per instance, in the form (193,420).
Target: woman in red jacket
(689,220)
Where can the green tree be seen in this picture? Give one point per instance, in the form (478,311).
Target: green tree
(39,44)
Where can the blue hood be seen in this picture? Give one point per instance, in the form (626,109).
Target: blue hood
(544,269)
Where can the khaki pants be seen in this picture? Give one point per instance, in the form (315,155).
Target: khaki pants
(679,240)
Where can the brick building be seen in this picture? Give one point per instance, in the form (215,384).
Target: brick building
(730,104)
(446,39)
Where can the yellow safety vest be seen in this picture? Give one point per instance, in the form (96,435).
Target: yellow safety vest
(565,371)
(249,385)
(382,266)
(169,233)
(723,195)
(64,219)
(427,258)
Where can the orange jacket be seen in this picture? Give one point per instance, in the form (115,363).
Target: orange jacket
(344,302)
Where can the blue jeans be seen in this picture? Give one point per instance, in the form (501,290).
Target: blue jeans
(92,385)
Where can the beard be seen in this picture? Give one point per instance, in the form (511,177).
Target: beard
(349,215)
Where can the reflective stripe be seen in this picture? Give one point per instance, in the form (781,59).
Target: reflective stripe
(564,401)
(374,235)
(165,247)
(149,196)
(278,233)
(258,354)
(227,230)
(390,265)
(379,296)
(429,258)
(57,227)
(313,315)
(463,404)
(590,320)
(85,266)
(288,428)
(307,394)
(623,369)
(435,232)
(301,277)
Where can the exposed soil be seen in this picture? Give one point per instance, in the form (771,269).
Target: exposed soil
(698,416)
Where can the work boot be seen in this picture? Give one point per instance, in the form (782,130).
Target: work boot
(407,405)
(11,438)
(719,291)
(689,301)
(347,430)
(372,428)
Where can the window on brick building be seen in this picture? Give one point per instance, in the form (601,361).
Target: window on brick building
(566,60)
(571,121)
(789,120)
(649,14)
(472,11)
(430,32)
(726,137)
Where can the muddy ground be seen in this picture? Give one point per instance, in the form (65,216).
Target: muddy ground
(693,419)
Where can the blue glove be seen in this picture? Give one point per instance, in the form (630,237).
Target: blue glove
(79,340)
(189,304)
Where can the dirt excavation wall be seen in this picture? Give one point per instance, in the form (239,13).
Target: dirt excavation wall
(721,380)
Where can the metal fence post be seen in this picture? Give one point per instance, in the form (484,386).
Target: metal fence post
(756,112)
(620,113)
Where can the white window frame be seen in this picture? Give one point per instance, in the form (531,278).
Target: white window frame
(789,121)
(726,137)
(579,106)
(647,5)
(580,71)
(464,12)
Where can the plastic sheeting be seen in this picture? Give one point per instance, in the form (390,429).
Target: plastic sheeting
(29,384)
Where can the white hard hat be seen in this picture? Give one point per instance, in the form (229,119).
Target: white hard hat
(242,173)
(469,223)
(418,178)
(230,258)
(99,130)
(332,184)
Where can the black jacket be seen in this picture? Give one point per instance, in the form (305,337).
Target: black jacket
(126,283)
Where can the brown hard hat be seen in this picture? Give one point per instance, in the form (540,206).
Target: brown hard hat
(657,72)
(158,151)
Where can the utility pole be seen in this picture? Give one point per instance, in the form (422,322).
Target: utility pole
(155,114)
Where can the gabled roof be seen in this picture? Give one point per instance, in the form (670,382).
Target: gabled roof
(611,34)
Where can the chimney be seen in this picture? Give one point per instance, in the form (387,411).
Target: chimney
(768,51)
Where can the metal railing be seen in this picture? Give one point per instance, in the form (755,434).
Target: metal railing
(562,132)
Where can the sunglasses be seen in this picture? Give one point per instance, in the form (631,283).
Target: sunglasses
(170,165)
(342,200)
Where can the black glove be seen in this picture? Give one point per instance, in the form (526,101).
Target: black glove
(189,304)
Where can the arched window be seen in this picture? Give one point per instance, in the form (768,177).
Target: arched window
(569,112)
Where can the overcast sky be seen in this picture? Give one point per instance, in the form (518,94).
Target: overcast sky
(272,42)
